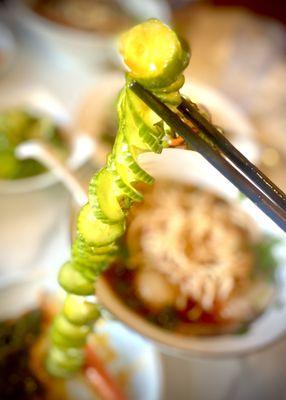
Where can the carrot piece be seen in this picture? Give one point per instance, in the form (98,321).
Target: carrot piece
(176,142)
(100,379)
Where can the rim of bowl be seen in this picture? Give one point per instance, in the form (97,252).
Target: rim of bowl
(77,34)
(170,342)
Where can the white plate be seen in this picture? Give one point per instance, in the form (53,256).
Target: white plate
(135,354)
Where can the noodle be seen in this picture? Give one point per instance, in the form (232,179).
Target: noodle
(198,241)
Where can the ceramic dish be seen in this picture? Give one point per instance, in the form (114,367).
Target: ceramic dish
(191,168)
(41,101)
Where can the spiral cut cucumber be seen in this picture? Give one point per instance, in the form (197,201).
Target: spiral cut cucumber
(156,58)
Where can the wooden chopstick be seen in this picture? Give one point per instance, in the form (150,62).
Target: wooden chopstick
(214,155)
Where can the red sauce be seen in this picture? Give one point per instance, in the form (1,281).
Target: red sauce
(121,279)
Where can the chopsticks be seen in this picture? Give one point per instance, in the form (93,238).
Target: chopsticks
(220,153)
(238,159)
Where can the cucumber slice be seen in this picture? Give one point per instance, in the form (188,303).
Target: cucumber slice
(139,140)
(89,266)
(127,168)
(88,269)
(80,311)
(69,359)
(84,248)
(173,87)
(93,200)
(58,339)
(104,193)
(91,258)
(96,232)
(173,99)
(74,334)
(147,122)
(136,144)
(55,370)
(123,181)
(154,54)
(130,193)
(74,282)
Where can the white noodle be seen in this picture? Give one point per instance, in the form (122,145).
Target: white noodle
(198,241)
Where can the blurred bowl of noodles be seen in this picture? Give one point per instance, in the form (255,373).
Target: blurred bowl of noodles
(202,270)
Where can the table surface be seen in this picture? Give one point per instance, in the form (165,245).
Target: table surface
(257,376)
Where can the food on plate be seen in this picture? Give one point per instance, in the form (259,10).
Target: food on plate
(18,125)
(23,343)
(193,262)
(156,57)
(87,15)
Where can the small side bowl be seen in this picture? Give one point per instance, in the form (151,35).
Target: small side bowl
(181,166)
(42,102)
(76,45)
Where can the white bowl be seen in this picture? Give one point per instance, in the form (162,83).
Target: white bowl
(190,167)
(41,101)
(80,46)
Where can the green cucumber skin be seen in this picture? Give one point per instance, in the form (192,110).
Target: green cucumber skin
(174,69)
(74,282)
(97,200)
(67,359)
(173,87)
(122,156)
(100,224)
(94,231)
(148,139)
(82,246)
(80,311)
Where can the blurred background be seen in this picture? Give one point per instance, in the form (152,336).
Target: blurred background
(60,58)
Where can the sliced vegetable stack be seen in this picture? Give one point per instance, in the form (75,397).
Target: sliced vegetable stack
(156,58)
